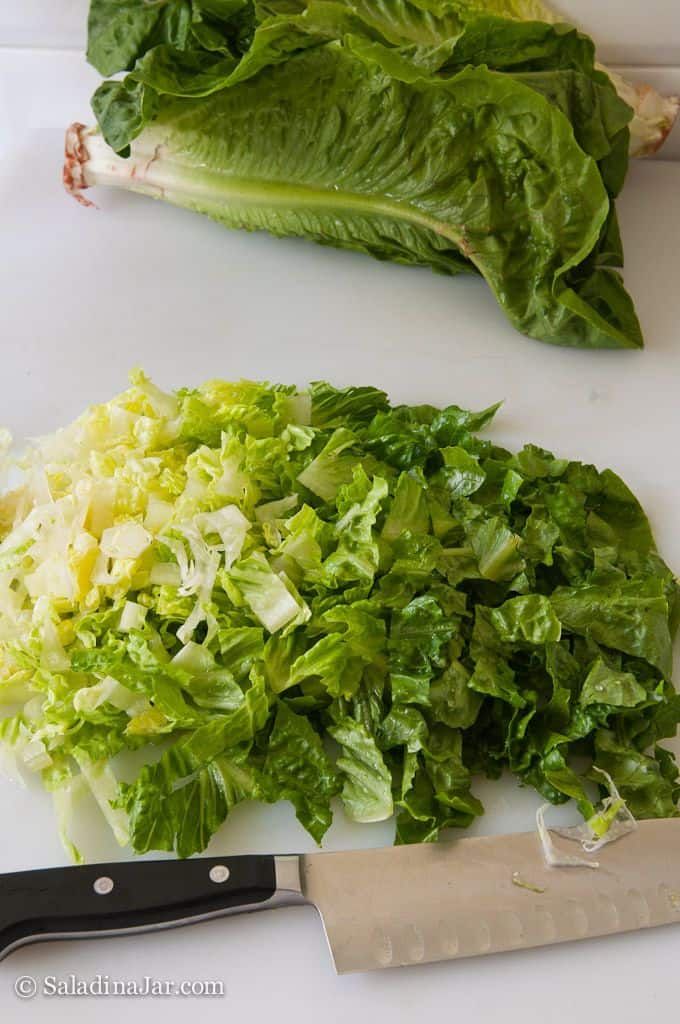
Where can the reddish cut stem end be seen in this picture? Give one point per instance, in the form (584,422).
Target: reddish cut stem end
(75,158)
(672,109)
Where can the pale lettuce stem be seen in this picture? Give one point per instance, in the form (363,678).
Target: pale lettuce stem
(152,171)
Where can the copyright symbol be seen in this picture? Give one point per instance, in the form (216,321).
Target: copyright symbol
(25,987)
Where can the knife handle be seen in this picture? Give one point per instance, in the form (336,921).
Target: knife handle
(113,899)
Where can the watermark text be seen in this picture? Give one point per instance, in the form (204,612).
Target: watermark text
(103,986)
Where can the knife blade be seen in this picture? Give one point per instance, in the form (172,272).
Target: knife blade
(445,901)
(379,907)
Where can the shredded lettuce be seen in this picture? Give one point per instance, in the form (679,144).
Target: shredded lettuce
(272,594)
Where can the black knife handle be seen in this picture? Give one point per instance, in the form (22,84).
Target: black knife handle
(110,899)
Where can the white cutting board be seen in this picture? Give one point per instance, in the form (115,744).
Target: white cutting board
(87,294)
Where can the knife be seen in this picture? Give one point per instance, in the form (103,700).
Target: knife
(379,907)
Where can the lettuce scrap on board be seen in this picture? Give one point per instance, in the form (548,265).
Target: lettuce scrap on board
(459,135)
(271,594)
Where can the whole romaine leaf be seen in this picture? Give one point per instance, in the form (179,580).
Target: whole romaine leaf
(429,25)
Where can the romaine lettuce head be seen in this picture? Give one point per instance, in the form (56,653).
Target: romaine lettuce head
(468,137)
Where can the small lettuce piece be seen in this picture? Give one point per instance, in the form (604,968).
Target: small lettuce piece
(200,807)
(359,505)
(179,802)
(435,790)
(104,786)
(604,685)
(175,806)
(494,677)
(89,699)
(333,466)
(323,659)
(405,726)
(409,510)
(228,730)
(271,599)
(216,690)
(307,542)
(554,778)
(330,661)
(280,652)
(528,619)
(452,699)
(631,616)
(493,674)
(354,641)
(335,407)
(461,472)
(496,549)
(451,779)
(298,769)
(644,782)
(65,797)
(367,782)
(418,635)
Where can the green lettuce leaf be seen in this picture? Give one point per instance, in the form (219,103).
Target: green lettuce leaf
(367,782)
(632,617)
(298,769)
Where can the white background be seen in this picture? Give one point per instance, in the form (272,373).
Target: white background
(87,294)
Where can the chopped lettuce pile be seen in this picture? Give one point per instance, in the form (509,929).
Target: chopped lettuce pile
(272,594)
(459,135)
